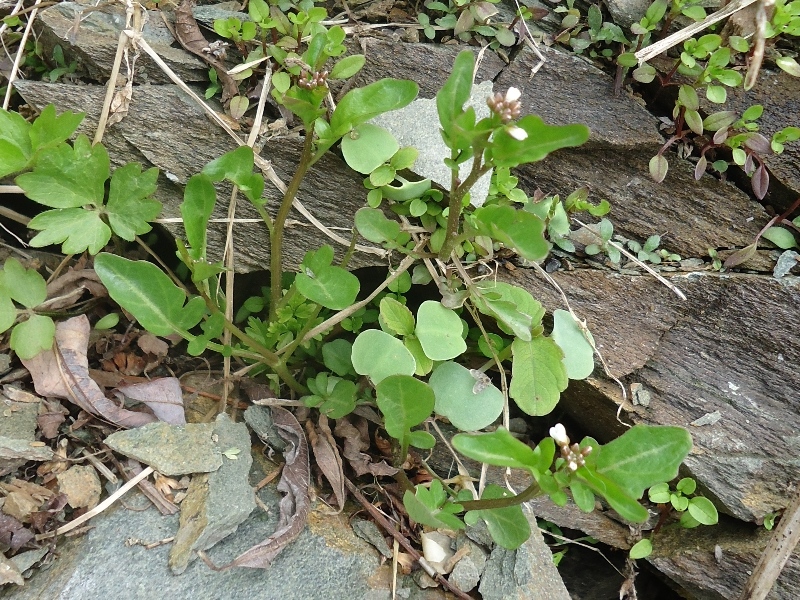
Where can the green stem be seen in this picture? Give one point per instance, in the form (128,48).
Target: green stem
(528,493)
(454,208)
(276,240)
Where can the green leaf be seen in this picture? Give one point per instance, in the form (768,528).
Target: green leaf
(542,139)
(199,198)
(658,168)
(782,238)
(129,207)
(703,511)
(508,526)
(148,294)
(498,448)
(469,403)
(328,286)
(25,286)
(12,159)
(15,143)
(382,175)
(687,96)
(424,364)
(237,167)
(791,66)
(50,130)
(78,229)
(405,403)
(67,177)
(336,357)
(519,230)
(362,104)
(8,312)
(341,401)
(627,507)
(583,495)
(455,91)
(421,439)
(110,321)
(33,336)
(538,375)
(431,507)
(687,486)
(373,225)
(694,121)
(367,146)
(348,66)
(380,355)
(515,309)
(397,317)
(716,94)
(644,456)
(439,331)
(578,352)
(641,549)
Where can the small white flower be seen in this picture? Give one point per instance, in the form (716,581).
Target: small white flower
(573,466)
(513,94)
(559,434)
(517,132)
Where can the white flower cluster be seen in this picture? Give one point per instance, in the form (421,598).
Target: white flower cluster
(574,455)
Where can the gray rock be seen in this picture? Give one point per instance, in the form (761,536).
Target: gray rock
(527,573)
(95,44)
(467,572)
(627,12)
(259,418)
(216,503)
(17,433)
(171,450)
(411,126)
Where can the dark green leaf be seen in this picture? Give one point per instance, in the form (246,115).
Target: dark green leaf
(538,375)
(498,448)
(519,230)
(362,104)
(405,403)
(430,507)
(78,229)
(455,91)
(509,527)
(199,199)
(542,139)
(129,207)
(49,130)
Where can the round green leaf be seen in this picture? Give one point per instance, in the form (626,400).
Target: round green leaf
(703,511)
(374,226)
(658,168)
(336,356)
(33,336)
(439,331)
(379,355)
(578,352)
(367,147)
(405,403)
(25,286)
(383,175)
(467,401)
(538,375)
(716,94)
(421,439)
(641,549)
(331,287)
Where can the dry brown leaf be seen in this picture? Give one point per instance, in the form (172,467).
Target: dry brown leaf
(152,345)
(12,534)
(295,504)
(69,287)
(120,104)
(354,445)
(191,38)
(51,415)
(326,455)
(9,573)
(63,372)
(163,396)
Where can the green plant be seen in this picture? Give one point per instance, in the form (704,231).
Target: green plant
(308,333)
(694,510)
(471,19)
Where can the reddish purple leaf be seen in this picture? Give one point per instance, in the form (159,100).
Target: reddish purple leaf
(760,182)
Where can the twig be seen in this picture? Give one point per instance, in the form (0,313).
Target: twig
(20,53)
(684,34)
(777,552)
(97,509)
(400,539)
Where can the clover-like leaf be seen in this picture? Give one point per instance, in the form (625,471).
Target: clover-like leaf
(538,375)
(33,336)
(78,229)
(405,403)
(571,338)
(469,402)
(439,331)
(22,285)
(431,507)
(380,355)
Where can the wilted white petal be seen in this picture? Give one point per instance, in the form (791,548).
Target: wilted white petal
(517,132)
(513,94)
(559,434)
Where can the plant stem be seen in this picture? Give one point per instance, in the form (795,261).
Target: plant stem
(276,240)
(528,493)
(454,208)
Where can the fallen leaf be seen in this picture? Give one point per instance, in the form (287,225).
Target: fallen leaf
(12,533)
(65,290)
(163,396)
(295,504)
(326,455)
(120,104)
(9,573)
(353,451)
(191,38)
(52,415)
(63,372)
(48,517)
(153,345)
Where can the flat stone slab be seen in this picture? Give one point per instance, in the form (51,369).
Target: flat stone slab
(718,351)
(171,450)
